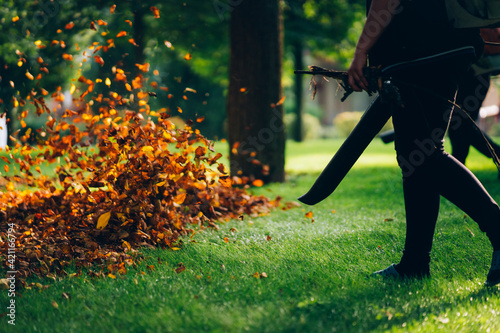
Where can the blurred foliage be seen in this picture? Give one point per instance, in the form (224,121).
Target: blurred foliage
(311,128)
(188,44)
(346,121)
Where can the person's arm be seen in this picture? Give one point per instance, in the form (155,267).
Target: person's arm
(379,16)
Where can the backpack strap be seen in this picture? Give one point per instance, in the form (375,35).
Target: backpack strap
(463,56)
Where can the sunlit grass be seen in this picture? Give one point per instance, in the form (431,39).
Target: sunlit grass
(317,270)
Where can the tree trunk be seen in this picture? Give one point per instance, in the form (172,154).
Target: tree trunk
(299,100)
(254,107)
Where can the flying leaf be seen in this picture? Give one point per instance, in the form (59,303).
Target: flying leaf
(99,60)
(121,34)
(155,11)
(188,56)
(112,9)
(258,183)
(69,26)
(103,220)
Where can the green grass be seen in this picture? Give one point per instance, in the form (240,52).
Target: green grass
(318,272)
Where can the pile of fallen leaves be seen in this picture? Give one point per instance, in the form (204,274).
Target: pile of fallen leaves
(125,178)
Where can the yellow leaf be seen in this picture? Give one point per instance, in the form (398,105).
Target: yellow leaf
(10,186)
(111,276)
(147,149)
(103,220)
(256,275)
(127,245)
(55,305)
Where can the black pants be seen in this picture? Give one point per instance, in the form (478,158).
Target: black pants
(429,172)
(462,132)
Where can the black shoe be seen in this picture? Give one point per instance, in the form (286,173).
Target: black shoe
(493,277)
(389,272)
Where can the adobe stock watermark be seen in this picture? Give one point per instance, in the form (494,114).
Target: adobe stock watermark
(382,19)
(225,7)
(11,275)
(455,118)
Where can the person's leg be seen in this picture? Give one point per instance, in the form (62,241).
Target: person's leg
(463,132)
(419,130)
(429,172)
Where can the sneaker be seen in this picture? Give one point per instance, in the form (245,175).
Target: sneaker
(493,277)
(389,272)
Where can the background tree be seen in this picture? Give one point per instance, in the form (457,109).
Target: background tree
(325,28)
(254,107)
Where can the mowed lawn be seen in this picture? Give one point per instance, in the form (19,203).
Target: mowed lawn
(286,272)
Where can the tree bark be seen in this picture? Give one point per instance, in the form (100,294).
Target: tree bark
(254,108)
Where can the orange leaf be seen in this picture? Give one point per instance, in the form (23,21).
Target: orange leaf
(6,168)
(92,26)
(188,56)
(70,25)
(226,240)
(179,198)
(29,76)
(155,11)
(112,9)
(121,34)
(257,183)
(309,215)
(225,181)
(99,60)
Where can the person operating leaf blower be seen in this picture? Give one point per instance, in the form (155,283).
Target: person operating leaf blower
(396,31)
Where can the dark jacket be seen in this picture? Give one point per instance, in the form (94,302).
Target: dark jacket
(420,28)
